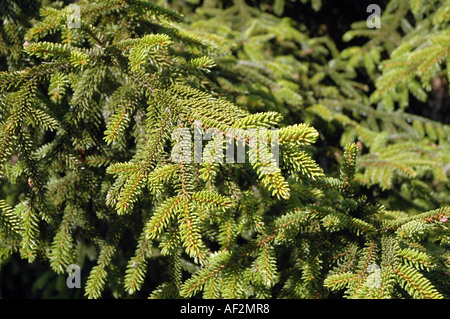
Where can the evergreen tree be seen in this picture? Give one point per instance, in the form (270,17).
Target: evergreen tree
(116,123)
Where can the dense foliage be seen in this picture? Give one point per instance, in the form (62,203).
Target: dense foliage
(106,107)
